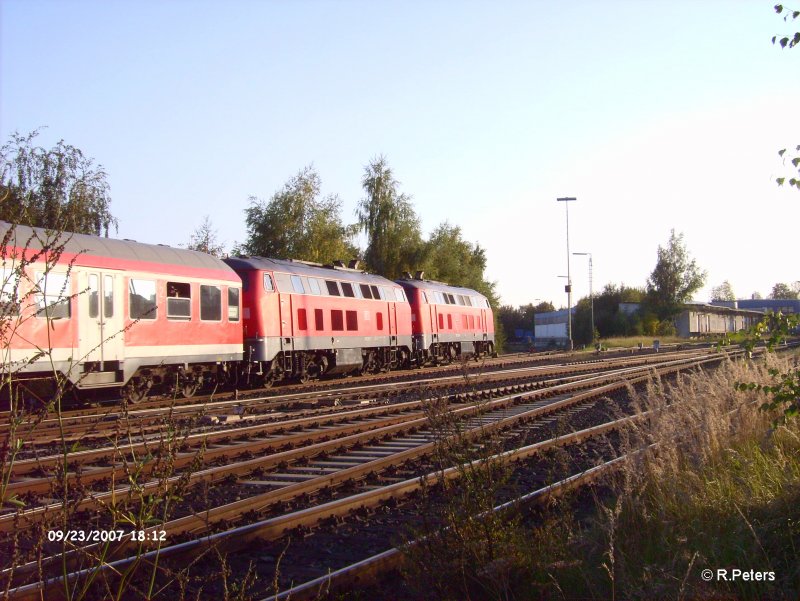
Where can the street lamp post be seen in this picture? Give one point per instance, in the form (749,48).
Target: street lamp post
(568,288)
(591,294)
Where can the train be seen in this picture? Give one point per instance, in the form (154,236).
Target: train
(101,313)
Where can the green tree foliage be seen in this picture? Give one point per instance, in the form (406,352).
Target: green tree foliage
(674,279)
(394,238)
(297,224)
(789,41)
(784,393)
(205,240)
(449,258)
(723,292)
(59,189)
(609,318)
(781,290)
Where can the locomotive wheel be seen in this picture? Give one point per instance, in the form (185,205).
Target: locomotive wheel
(135,391)
(189,389)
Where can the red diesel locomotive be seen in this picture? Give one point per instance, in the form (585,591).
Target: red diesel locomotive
(109,313)
(302,320)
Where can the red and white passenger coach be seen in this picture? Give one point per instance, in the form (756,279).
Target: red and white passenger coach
(116,313)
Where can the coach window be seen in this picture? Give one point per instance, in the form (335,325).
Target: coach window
(333,288)
(233,304)
(365,291)
(347,289)
(9,305)
(142,301)
(297,284)
(352,321)
(210,303)
(337,323)
(313,284)
(269,285)
(94,295)
(179,300)
(108,296)
(53,295)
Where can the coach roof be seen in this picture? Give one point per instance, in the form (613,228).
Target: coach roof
(308,269)
(439,286)
(86,246)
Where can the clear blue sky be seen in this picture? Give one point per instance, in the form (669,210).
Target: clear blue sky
(655,114)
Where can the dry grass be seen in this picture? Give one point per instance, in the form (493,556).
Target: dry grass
(719,489)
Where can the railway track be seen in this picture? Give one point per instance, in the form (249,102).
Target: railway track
(333,467)
(315,391)
(100,424)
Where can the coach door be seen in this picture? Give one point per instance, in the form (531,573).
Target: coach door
(101,329)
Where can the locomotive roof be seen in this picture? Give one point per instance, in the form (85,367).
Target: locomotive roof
(301,268)
(86,246)
(440,286)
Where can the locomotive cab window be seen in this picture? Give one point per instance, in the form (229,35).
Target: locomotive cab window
(142,299)
(269,285)
(210,303)
(375,293)
(365,291)
(399,296)
(313,284)
(347,289)
(233,304)
(53,295)
(179,300)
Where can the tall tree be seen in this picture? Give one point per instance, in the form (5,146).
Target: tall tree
(782,291)
(450,258)
(205,240)
(394,238)
(675,278)
(296,223)
(58,189)
(723,292)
